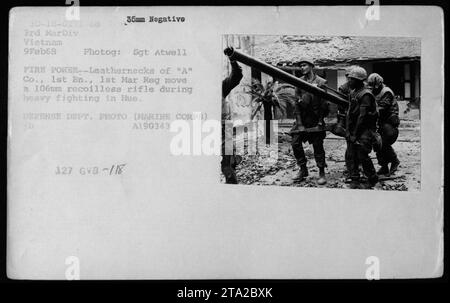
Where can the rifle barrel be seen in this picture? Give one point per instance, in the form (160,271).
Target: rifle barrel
(277,73)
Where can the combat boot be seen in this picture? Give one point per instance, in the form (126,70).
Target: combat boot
(302,174)
(384,170)
(347,176)
(394,166)
(322,180)
(354,184)
(371,182)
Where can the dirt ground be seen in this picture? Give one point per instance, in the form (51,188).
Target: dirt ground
(262,170)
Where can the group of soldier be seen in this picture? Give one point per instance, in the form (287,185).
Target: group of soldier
(370,122)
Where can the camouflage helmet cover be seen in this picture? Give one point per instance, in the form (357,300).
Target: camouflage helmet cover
(374,79)
(306,60)
(357,72)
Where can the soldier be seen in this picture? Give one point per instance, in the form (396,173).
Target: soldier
(388,123)
(310,111)
(345,90)
(229,162)
(362,115)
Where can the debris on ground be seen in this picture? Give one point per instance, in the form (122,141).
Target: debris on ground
(279,170)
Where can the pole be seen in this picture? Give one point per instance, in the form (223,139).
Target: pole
(277,73)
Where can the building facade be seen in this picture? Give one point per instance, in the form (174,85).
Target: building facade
(396,59)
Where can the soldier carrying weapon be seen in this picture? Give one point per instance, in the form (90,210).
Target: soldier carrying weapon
(310,111)
(229,162)
(362,115)
(388,123)
(345,90)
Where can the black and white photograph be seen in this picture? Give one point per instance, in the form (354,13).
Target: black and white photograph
(347,111)
(225,143)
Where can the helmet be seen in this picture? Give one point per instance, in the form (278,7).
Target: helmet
(374,80)
(357,72)
(306,60)
(348,69)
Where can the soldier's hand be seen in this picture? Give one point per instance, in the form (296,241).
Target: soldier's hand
(301,129)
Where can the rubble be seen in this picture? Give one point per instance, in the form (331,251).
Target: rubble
(257,170)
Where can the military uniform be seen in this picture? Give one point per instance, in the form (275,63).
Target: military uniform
(388,123)
(362,115)
(229,162)
(344,89)
(311,109)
